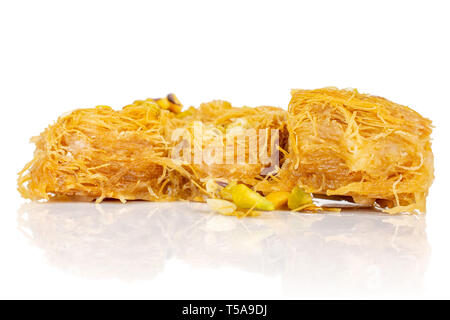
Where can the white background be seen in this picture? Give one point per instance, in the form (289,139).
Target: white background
(56,56)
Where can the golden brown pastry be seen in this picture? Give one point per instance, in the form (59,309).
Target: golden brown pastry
(345,143)
(99,153)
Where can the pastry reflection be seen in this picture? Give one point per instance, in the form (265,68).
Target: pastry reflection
(328,253)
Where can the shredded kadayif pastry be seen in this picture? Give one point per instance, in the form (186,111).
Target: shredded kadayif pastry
(226,132)
(350,144)
(332,143)
(100,153)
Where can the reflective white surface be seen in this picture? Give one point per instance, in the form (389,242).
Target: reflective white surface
(182,250)
(120,53)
